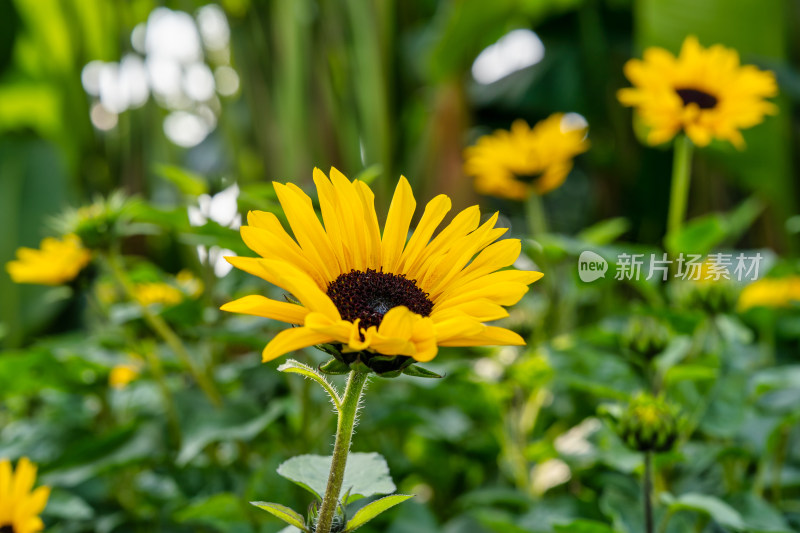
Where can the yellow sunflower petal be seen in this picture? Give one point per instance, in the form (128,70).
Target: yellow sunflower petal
(261,306)
(292,339)
(398,221)
(490,336)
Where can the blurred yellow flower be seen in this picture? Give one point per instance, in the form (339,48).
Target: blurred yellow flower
(157,293)
(770,292)
(20,505)
(121,375)
(55,262)
(703,92)
(369,294)
(189,283)
(517,163)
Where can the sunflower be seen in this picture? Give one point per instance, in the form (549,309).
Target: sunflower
(19,504)
(157,293)
(770,292)
(371,295)
(704,92)
(517,163)
(56,262)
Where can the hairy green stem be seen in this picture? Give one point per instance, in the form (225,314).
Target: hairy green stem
(162,329)
(344,434)
(681,177)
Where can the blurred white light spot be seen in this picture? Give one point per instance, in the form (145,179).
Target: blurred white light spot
(138,37)
(172,35)
(227,81)
(573,121)
(215,256)
(113,94)
(185,129)
(90,77)
(133,76)
(489,369)
(213,27)
(514,51)
(549,474)
(165,76)
(198,82)
(102,118)
(575,441)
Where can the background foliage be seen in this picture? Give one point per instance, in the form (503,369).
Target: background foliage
(510,440)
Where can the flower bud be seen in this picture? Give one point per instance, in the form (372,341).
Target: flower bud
(649,424)
(645,336)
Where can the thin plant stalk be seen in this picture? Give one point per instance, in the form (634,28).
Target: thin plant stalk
(647,492)
(344,435)
(162,329)
(537,220)
(681,178)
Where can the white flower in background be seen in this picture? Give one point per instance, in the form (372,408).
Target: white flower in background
(223,209)
(549,474)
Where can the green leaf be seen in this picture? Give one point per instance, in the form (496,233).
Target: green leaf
(373,509)
(288,515)
(230,424)
(186,181)
(224,512)
(583,526)
(419,372)
(718,510)
(295,367)
(698,236)
(366,474)
(606,231)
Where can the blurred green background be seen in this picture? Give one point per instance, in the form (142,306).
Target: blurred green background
(170,101)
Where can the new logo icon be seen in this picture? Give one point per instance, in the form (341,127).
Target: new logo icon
(591,266)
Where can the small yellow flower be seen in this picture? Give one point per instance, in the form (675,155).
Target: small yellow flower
(157,293)
(121,375)
(704,92)
(370,294)
(515,164)
(20,505)
(770,292)
(55,262)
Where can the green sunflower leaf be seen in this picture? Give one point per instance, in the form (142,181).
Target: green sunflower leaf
(288,515)
(419,372)
(366,474)
(373,509)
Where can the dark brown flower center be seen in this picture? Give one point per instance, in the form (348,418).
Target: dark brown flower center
(370,295)
(7,529)
(693,96)
(528,178)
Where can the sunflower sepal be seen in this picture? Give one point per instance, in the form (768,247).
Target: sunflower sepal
(417,371)
(334,367)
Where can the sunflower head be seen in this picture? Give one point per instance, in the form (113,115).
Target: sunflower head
(57,261)
(704,92)
(523,161)
(645,337)
(157,293)
(20,504)
(379,301)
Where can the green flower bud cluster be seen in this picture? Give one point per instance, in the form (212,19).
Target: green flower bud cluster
(338,524)
(98,224)
(645,336)
(649,424)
